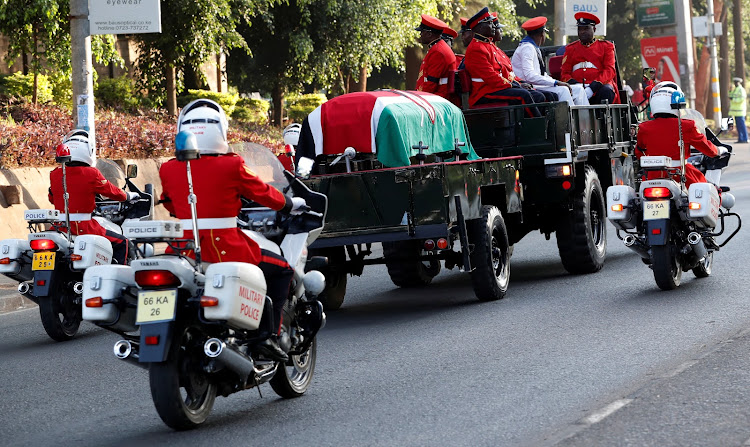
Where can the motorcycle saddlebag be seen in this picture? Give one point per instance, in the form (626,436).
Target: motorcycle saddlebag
(619,212)
(93,249)
(704,204)
(108,282)
(13,250)
(241,291)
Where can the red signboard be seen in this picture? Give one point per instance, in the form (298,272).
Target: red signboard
(661,53)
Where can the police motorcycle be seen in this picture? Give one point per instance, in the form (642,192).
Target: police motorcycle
(674,229)
(49,265)
(198,328)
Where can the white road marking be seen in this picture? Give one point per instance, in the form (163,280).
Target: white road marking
(597,416)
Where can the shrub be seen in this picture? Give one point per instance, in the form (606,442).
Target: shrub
(62,89)
(299,106)
(22,86)
(117,94)
(226,100)
(251,110)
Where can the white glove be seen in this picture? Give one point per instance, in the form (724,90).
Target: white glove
(297,203)
(722,150)
(589,92)
(133,196)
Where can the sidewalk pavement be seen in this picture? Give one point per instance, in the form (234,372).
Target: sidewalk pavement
(10,299)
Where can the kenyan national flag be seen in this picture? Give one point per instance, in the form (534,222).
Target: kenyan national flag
(387,123)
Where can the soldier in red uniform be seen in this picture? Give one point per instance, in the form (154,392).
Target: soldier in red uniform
(492,77)
(467,35)
(449,34)
(591,62)
(439,62)
(660,136)
(84,182)
(220,179)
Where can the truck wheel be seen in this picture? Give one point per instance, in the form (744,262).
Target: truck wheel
(582,232)
(408,272)
(491,256)
(666,266)
(333,295)
(703,270)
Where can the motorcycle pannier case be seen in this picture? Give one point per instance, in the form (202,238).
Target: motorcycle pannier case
(241,291)
(13,249)
(704,204)
(93,249)
(619,212)
(107,282)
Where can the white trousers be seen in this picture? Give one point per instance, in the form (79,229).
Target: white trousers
(578,97)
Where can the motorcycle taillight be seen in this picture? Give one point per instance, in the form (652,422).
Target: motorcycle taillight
(43,244)
(156,278)
(657,192)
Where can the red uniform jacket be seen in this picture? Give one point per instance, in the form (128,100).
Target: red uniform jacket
(487,68)
(437,65)
(600,54)
(84,182)
(218,183)
(660,136)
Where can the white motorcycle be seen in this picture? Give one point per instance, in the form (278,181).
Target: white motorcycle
(671,227)
(49,265)
(199,332)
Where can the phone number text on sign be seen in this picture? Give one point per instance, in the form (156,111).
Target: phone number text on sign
(124,16)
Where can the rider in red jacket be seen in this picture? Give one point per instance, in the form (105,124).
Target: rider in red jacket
(220,179)
(84,182)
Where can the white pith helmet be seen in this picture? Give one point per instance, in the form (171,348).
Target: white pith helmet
(291,134)
(208,122)
(77,141)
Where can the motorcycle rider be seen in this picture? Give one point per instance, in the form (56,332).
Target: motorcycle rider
(660,136)
(220,179)
(291,140)
(84,182)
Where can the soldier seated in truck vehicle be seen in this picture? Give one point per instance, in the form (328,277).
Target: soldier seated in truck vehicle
(439,63)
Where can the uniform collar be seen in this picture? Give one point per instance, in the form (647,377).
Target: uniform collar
(482,38)
(530,40)
(430,45)
(588,44)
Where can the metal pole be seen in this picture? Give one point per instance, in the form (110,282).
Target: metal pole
(193,200)
(82,78)
(715,99)
(559,22)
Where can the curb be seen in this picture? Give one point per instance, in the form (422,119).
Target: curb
(13,301)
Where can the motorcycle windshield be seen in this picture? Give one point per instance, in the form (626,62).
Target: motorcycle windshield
(262,161)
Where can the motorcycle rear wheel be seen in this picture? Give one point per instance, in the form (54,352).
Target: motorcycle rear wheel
(182,393)
(703,270)
(667,269)
(293,379)
(61,316)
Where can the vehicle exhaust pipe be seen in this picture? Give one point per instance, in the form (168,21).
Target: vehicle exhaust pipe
(78,288)
(696,241)
(127,351)
(636,245)
(24,288)
(230,356)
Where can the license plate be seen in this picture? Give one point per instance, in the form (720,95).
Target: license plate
(43,260)
(156,305)
(656,209)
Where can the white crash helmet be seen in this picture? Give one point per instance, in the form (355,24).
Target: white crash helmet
(208,122)
(291,134)
(661,98)
(77,142)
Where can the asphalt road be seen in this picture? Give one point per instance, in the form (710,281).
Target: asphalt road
(602,359)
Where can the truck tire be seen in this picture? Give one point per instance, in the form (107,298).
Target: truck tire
(408,272)
(333,295)
(582,232)
(491,256)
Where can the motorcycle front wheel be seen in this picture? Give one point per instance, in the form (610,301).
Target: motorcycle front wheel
(293,379)
(703,270)
(666,266)
(182,393)
(60,314)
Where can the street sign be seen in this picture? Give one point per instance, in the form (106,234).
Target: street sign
(700,27)
(655,12)
(596,7)
(124,16)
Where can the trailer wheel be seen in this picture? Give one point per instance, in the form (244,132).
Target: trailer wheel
(491,256)
(582,232)
(408,272)
(333,295)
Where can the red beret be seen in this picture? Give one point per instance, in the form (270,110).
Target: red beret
(586,18)
(450,32)
(430,23)
(535,23)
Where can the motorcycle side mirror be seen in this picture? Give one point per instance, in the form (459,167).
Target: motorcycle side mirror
(304,167)
(131,171)
(727,123)
(186,146)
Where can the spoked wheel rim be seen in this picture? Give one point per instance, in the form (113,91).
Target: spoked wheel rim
(708,262)
(300,371)
(69,314)
(500,264)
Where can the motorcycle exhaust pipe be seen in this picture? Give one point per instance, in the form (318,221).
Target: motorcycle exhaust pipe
(636,245)
(696,241)
(78,288)
(127,351)
(24,288)
(230,356)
